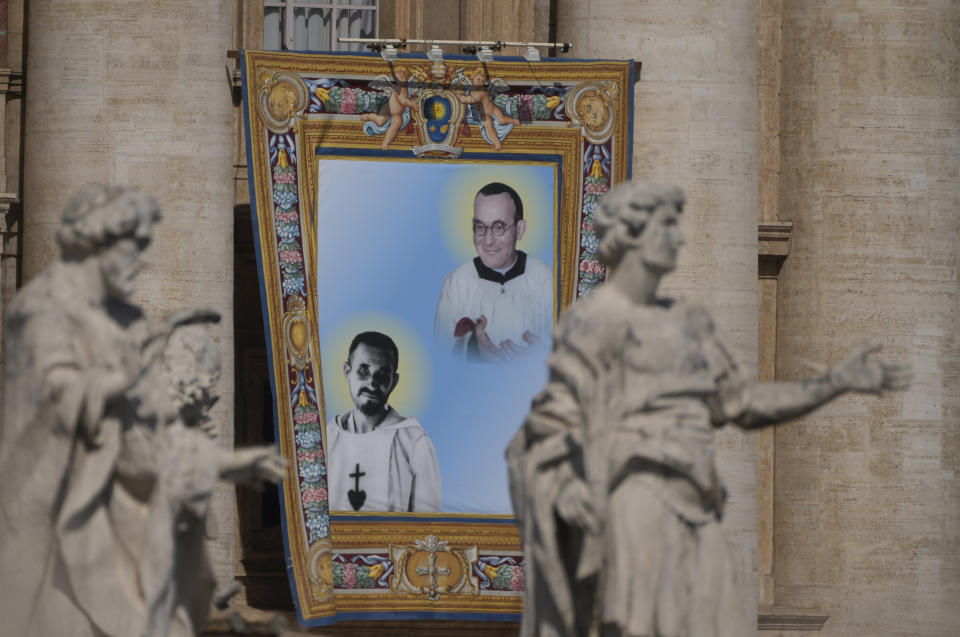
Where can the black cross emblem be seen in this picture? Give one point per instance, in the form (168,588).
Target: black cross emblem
(356,495)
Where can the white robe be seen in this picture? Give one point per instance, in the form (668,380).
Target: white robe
(519,300)
(392,468)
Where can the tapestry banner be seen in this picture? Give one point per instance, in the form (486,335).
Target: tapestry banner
(419,226)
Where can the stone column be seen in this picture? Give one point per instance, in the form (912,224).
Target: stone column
(867,494)
(695,125)
(135,92)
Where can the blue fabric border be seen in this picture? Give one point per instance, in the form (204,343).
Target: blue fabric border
(409,615)
(450,518)
(265,313)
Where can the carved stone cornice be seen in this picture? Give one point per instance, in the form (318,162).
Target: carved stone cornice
(773,246)
(788,618)
(11,81)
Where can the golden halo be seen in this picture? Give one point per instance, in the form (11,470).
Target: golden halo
(539,207)
(412,391)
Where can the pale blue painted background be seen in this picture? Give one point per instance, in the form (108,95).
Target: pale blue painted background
(383,251)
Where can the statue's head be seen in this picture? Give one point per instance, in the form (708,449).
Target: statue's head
(191,364)
(640,216)
(112,224)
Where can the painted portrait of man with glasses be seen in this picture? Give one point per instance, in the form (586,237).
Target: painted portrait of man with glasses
(499,306)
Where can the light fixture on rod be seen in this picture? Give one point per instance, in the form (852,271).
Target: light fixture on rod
(435,54)
(471,46)
(388,48)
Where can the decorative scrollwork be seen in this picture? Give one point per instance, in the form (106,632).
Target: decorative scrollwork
(431,567)
(320,571)
(438,116)
(281,99)
(296,333)
(593,109)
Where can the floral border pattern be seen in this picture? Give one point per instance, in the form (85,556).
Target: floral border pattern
(597,165)
(308,437)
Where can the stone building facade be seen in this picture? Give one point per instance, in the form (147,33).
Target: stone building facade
(819,145)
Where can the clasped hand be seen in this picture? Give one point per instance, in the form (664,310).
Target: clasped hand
(507,350)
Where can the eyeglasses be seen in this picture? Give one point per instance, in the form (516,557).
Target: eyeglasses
(497,227)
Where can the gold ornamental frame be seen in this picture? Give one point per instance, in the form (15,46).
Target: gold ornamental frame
(302,108)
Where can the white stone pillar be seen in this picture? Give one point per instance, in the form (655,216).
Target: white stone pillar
(135,92)
(867,490)
(695,125)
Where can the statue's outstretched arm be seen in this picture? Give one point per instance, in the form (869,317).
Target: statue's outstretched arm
(771,403)
(251,465)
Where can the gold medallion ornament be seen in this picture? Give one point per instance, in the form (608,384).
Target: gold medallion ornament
(433,568)
(282,98)
(593,109)
(296,333)
(320,571)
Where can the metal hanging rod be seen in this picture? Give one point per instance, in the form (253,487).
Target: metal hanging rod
(495,45)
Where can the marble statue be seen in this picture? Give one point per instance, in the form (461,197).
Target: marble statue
(613,475)
(107,462)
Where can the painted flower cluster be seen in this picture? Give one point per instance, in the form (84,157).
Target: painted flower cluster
(528,107)
(595,185)
(336,96)
(287,222)
(312,470)
(361,571)
(500,573)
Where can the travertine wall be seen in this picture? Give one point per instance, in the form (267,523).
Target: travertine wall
(696,126)
(135,92)
(867,519)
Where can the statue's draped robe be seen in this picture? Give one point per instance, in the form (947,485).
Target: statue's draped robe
(174,571)
(634,395)
(56,465)
(102,518)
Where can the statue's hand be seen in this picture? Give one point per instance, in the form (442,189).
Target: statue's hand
(575,506)
(103,386)
(113,383)
(209,428)
(253,465)
(862,373)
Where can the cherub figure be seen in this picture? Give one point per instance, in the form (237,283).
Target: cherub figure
(480,95)
(399,101)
